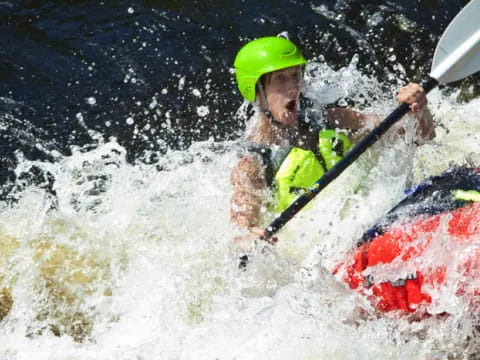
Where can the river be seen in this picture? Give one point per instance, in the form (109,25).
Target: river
(119,127)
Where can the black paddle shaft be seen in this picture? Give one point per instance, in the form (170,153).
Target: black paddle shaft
(345,162)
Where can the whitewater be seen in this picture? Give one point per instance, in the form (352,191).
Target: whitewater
(104,258)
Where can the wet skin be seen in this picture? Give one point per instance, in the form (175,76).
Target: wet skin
(282,90)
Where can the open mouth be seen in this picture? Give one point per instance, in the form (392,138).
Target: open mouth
(291,106)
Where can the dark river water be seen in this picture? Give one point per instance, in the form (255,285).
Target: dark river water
(157,74)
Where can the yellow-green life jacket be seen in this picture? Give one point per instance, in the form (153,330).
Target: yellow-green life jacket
(301,168)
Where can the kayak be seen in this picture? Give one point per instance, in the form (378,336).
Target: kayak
(427,247)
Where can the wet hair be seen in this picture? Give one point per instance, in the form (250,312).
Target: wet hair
(264,80)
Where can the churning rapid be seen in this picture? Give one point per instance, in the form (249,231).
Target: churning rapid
(116,241)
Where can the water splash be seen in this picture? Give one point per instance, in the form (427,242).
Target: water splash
(122,260)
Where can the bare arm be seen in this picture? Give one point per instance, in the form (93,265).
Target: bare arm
(360,124)
(248,181)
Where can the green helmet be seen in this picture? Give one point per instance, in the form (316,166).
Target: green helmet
(261,56)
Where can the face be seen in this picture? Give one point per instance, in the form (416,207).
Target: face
(282,89)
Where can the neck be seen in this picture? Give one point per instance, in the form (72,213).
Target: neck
(270,132)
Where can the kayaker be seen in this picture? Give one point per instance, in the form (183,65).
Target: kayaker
(287,151)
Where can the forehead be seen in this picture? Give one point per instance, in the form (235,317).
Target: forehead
(287,71)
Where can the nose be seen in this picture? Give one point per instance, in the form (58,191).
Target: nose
(293,87)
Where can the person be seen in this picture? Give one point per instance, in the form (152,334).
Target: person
(287,153)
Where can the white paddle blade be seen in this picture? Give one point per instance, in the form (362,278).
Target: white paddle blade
(458,52)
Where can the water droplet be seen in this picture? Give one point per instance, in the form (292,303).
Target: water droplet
(130,121)
(130,10)
(153,104)
(79,116)
(203,111)
(196,92)
(91,100)
(181,83)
